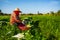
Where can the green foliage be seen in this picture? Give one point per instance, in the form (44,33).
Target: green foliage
(44,28)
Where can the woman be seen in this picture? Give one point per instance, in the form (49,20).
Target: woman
(15,20)
(15,17)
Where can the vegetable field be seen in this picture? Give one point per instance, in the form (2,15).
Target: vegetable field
(45,27)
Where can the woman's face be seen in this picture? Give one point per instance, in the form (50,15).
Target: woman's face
(17,12)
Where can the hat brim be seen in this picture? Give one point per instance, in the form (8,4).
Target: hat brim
(16,11)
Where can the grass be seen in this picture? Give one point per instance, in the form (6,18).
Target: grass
(44,28)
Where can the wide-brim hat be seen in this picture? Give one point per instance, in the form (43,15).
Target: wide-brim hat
(17,9)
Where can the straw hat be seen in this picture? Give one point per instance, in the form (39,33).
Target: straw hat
(17,9)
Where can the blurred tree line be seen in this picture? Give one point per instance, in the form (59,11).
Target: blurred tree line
(38,13)
(51,13)
(1,13)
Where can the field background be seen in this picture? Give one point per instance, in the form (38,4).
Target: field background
(46,27)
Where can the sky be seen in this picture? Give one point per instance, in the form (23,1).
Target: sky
(30,6)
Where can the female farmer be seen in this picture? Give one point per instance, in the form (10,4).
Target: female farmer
(14,20)
(15,17)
